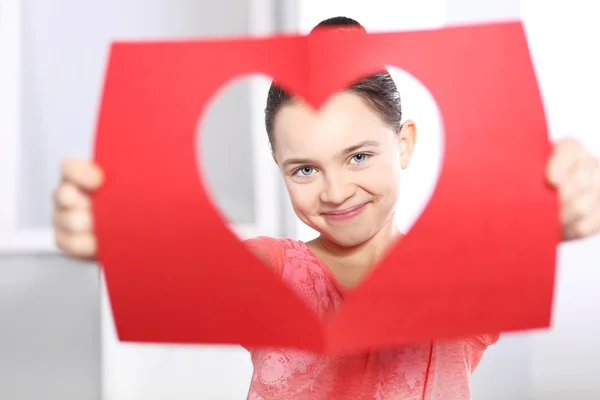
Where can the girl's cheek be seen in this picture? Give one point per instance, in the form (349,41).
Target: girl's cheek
(382,175)
(304,197)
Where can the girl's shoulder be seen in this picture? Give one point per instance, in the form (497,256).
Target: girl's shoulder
(277,250)
(271,244)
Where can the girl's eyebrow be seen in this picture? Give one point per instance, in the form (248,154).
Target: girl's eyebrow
(366,143)
(296,161)
(346,151)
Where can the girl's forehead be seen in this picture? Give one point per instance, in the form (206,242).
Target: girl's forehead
(342,121)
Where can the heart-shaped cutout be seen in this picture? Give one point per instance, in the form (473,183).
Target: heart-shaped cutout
(369,119)
(468,265)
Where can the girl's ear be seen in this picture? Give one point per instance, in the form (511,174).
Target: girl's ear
(274,158)
(408,140)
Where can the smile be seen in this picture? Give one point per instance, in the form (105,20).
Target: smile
(348,213)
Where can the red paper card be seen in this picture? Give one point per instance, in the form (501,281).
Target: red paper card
(480,259)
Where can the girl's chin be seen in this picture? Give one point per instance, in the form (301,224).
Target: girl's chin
(344,239)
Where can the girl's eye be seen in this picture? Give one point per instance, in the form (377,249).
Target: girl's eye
(304,171)
(359,158)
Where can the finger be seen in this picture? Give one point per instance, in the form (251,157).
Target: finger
(74,221)
(584,227)
(582,206)
(566,153)
(581,177)
(69,196)
(82,173)
(82,246)
(581,215)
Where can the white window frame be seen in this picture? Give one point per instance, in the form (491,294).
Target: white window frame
(11,238)
(17,240)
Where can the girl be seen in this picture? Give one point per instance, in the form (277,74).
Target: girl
(342,169)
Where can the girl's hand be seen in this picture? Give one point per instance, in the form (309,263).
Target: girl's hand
(576,175)
(72,221)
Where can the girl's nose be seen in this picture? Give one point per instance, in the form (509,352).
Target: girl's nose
(336,190)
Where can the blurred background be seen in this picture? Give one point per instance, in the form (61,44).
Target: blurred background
(57,338)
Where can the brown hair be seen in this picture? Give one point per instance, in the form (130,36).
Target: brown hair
(378,90)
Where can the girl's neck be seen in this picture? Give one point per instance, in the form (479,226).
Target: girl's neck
(351,263)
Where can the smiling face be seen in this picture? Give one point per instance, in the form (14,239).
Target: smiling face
(341,166)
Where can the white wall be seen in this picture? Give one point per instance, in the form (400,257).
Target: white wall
(564,40)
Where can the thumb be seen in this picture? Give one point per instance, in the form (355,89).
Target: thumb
(565,155)
(82,173)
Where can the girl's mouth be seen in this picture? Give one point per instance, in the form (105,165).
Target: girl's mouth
(345,214)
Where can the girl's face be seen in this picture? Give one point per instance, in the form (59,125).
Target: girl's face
(341,166)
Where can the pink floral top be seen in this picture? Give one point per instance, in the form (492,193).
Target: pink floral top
(433,370)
